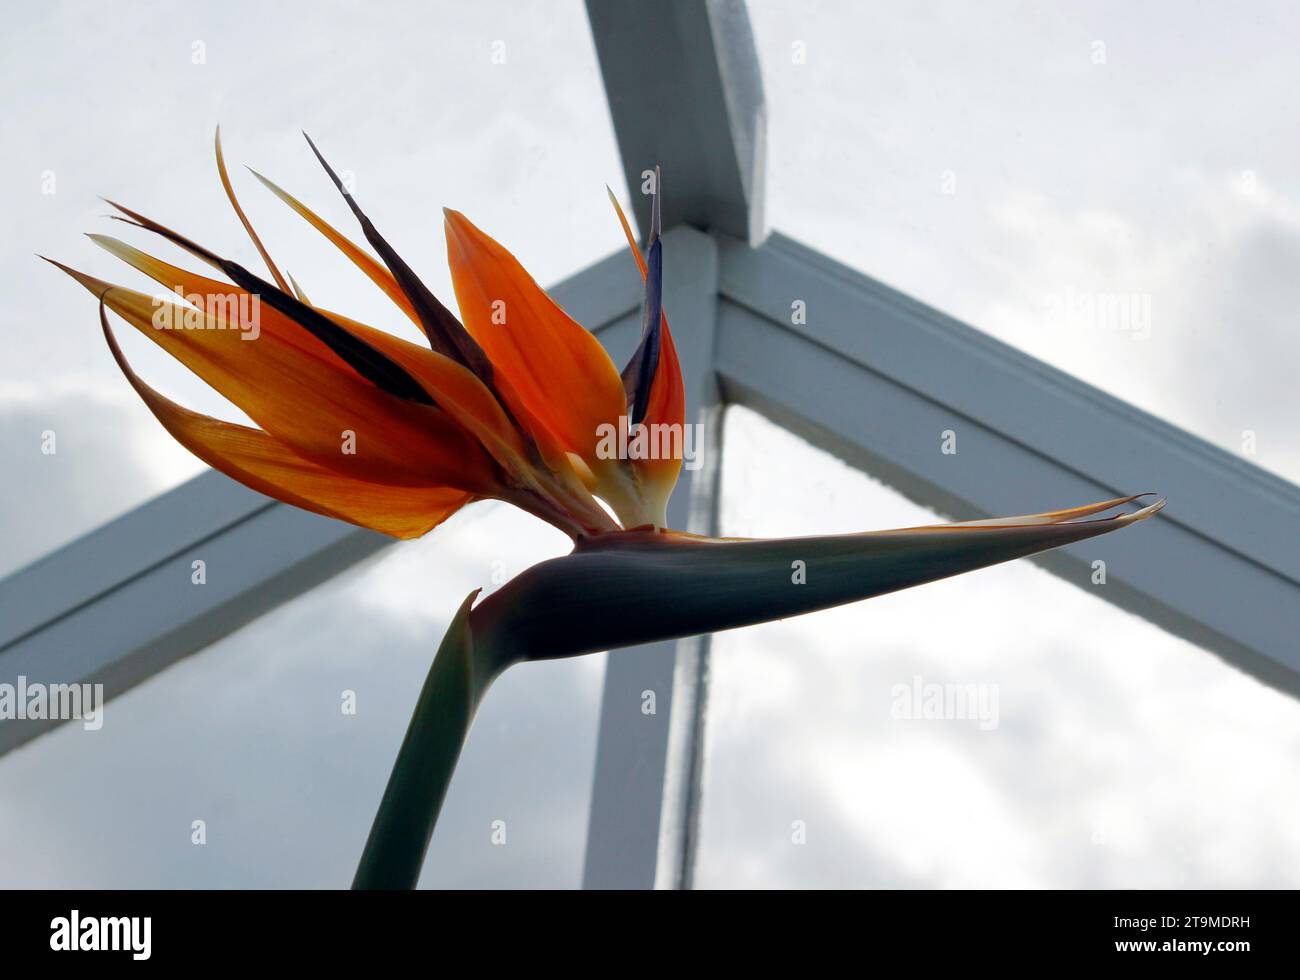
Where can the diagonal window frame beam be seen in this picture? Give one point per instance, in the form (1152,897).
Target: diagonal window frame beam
(875,377)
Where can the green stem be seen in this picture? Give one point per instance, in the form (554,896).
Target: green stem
(399,837)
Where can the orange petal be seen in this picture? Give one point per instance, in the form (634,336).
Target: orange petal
(363,260)
(557,371)
(295,389)
(298,290)
(453,387)
(243,218)
(263,464)
(627,232)
(467,399)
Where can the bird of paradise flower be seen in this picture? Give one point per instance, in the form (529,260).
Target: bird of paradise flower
(508,408)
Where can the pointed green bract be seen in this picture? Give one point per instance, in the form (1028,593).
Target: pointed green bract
(640,587)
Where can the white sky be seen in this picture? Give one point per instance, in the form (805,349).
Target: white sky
(1121,757)
(1166,173)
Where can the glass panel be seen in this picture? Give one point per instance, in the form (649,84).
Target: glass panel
(495,108)
(252,738)
(1075,745)
(1104,186)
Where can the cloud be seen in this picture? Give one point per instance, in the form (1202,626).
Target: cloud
(72,462)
